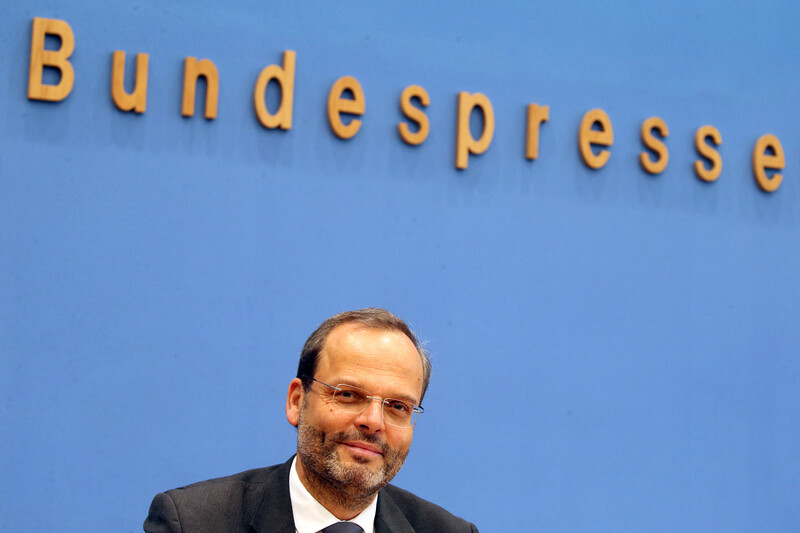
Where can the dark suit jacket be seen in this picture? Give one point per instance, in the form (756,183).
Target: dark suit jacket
(258,500)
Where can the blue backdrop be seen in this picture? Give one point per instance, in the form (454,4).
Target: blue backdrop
(613,350)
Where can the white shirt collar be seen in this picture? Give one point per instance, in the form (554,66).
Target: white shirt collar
(311,517)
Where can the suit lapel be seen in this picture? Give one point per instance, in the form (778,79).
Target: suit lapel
(389,518)
(274,514)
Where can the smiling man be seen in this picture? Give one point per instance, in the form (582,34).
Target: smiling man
(355,400)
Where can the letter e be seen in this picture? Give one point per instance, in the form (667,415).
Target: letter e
(338,105)
(588,136)
(763,160)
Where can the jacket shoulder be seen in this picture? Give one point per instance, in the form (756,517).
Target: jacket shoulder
(222,504)
(256,475)
(425,516)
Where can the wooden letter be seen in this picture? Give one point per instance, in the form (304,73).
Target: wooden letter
(465,143)
(415,114)
(709,153)
(137,100)
(285,78)
(193,69)
(763,160)
(338,105)
(536,115)
(57,59)
(588,136)
(655,144)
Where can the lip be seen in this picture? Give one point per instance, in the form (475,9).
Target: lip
(362,448)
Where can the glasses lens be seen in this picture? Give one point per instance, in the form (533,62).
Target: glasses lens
(351,398)
(398,412)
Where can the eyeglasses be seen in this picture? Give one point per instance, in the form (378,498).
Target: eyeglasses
(399,413)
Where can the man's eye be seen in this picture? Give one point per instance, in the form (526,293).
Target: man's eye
(348,395)
(400,407)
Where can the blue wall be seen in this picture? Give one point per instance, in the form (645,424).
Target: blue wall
(613,350)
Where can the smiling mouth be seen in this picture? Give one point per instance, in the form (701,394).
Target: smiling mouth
(362,449)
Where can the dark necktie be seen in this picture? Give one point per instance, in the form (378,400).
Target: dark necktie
(343,527)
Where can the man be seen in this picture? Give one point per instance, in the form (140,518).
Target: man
(359,385)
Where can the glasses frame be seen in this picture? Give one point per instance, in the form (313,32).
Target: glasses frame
(416,410)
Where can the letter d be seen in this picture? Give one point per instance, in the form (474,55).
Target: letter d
(285,78)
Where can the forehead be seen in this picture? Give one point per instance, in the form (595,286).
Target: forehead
(381,361)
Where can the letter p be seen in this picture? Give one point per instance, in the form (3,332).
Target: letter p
(465,143)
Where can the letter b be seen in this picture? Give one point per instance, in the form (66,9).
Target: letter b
(58,59)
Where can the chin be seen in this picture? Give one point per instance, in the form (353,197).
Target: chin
(363,468)
(358,472)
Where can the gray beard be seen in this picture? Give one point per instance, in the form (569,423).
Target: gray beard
(349,485)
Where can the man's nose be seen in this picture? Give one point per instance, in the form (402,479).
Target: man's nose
(371,418)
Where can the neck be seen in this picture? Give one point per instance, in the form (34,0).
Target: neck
(345,502)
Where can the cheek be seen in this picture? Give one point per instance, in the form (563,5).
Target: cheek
(329,410)
(328,417)
(399,441)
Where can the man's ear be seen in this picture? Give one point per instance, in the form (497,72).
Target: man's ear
(294,400)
